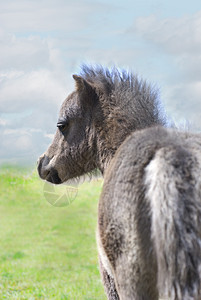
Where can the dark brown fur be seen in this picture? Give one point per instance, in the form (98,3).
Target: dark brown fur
(102,124)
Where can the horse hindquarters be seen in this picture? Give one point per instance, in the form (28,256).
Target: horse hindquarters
(150,216)
(173,189)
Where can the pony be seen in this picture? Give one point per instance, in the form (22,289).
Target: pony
(149,212)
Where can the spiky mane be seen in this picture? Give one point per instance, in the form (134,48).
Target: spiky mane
(131,94)
(110,78)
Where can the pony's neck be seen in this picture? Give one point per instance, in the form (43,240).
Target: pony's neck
(113,132)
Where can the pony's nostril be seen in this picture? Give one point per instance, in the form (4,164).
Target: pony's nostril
(45,161)
(46,171)
(53,177)
(42,166)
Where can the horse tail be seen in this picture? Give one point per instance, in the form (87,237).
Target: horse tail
(173,183)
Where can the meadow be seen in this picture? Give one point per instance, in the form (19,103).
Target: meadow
(47,252)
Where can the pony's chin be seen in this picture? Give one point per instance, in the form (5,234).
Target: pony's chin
(53,177)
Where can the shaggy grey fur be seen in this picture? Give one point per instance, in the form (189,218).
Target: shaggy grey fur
(150,210)
(149,215)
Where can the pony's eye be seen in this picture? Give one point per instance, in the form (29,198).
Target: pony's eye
(62,126)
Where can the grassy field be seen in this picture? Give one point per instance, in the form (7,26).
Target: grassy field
(47,252)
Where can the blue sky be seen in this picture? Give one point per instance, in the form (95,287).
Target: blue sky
(44,42)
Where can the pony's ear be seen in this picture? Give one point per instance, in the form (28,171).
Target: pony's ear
(81,84)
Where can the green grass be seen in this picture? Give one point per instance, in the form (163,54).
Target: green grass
(47,252)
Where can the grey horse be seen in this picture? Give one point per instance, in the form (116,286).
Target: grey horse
(149,215)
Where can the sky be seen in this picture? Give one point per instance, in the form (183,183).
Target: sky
(42,43)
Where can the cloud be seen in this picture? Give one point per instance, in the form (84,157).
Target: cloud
(33,83)
(179,40)
(36,89)
(29,106)
(176,36)
(22,145)
(46,16)
(24,53)
(184,103)
(43,42)
(2,122)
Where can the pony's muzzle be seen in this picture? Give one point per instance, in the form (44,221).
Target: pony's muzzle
(46,171)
